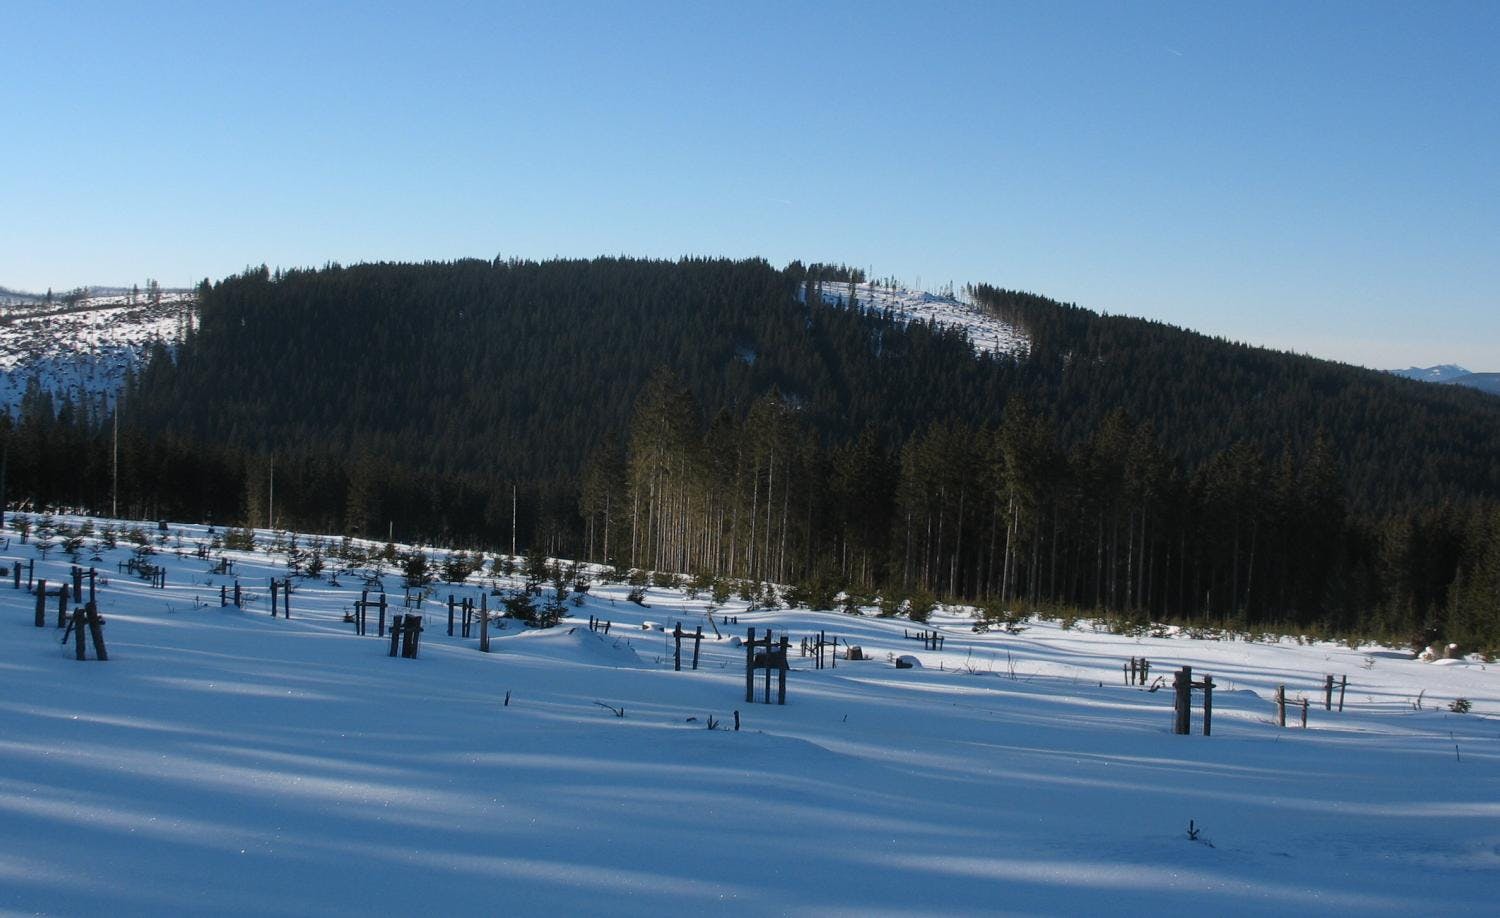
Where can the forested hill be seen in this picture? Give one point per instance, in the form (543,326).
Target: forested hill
(1401,443)
(723,417)
(518,370)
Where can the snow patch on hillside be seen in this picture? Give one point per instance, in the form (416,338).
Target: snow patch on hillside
(82,348)
(988,334)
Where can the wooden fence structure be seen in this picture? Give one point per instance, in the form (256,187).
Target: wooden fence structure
(772,659)
(678,636)
(284,588)
(406,635)
(1137,671)
(1182,702)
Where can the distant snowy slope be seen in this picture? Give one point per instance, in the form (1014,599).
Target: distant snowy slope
(988,334)
(1446,372)
(82,349)
(1453,375)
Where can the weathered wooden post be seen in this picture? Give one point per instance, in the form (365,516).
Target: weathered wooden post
(286,598)
(484,623)
(697,639)
(79,622)
(1328,692)
(750,667)
(77,584)
(41,603)
(1304,712)
(396,622)
(1208,704)
(1343,684)
(411,637)
(96,628)
(223,595)
(237,603)
(62,605)
(450,615)
(380,625)
(16,571)
(1182,685)
(677,647)
(273,597)
(1281,706)
(780,670)
(93,576)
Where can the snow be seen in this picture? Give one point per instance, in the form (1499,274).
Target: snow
(988,334)
(82,350)
(226,761)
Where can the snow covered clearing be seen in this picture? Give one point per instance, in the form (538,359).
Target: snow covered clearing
(226,761)
(988,334)
(82,349)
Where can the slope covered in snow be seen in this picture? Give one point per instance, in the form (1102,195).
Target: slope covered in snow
(230,762)
(81,347)
(987,333)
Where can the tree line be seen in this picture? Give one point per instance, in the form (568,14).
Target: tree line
(1123,466)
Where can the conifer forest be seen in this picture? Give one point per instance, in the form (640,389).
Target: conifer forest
(717,417)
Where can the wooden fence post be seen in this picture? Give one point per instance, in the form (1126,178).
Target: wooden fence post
(1281,706)
(1183,701)
(750,667)
(1343,684)
(96,629)
(450,615)
(1328,692)
(484,622)
(677,647)
(697,639)
(41,603)
(79,623)
(1208,704)
(1304,712)
(780,671)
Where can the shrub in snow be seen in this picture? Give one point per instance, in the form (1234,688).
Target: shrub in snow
(519,605)
(666,580)
(415,569)
(1461,706)
(237,539)
(919,606)
(907,661)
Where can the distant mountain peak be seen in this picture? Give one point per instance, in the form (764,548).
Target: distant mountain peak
(1443,372)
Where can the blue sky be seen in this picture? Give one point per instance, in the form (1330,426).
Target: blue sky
(1317,177)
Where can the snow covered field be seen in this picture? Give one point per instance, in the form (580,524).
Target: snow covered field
(227,762)
(83,350)
(988,334)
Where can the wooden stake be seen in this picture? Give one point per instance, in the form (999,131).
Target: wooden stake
(1208,704)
